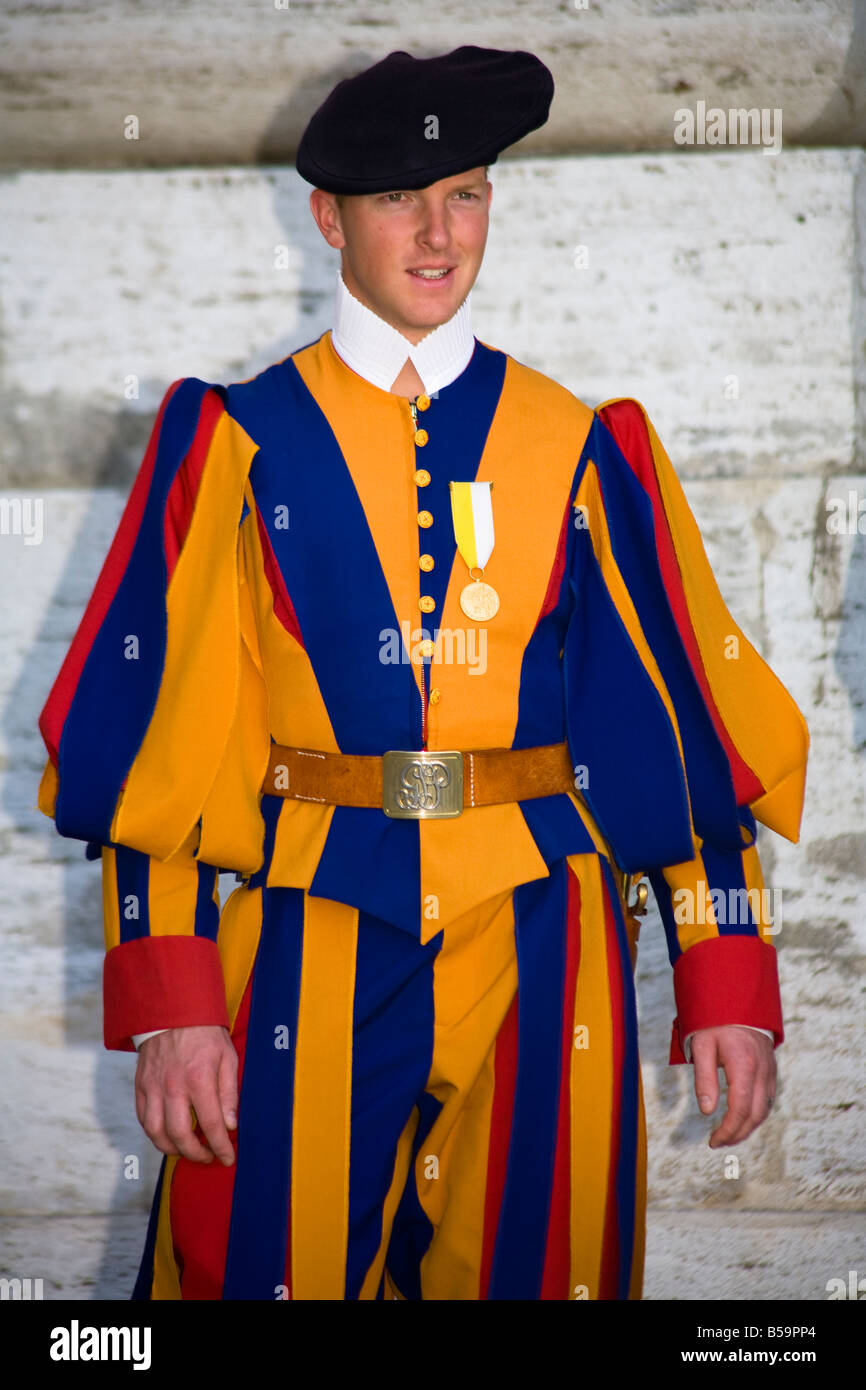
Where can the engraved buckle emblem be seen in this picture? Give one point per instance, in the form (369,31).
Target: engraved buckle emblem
(425,785)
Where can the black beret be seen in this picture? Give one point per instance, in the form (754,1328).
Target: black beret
(406,122)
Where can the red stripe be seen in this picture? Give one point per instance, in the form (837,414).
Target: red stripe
(161,982)
(723,980)
(556,1283)
(56,708)
(184,490)
(626,423)
(505,1076)
(610,1257)
(201,1201)
(283,609)
(555,582)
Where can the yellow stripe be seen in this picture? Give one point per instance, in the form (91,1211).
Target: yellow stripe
(110,905)
(374,431)
(690,877)
(190,723)
(238,940)
(323,1098)
(172,889)
(231,823)
(474,983)
(591,1083)
(166,1278)
(48,787)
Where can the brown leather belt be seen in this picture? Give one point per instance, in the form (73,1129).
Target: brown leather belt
(417,785)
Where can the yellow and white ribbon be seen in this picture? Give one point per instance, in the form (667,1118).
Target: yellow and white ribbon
(472,513)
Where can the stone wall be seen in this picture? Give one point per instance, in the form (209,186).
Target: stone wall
(723,288)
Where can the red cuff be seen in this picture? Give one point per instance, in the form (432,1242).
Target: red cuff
(161,982)
(726,979)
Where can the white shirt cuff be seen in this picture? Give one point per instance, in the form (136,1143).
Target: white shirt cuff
(687,1042)
(139,1038)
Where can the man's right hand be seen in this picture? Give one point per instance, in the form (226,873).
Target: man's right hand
(183,1067)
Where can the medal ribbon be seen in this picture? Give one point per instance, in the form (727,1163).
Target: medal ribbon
(472,513)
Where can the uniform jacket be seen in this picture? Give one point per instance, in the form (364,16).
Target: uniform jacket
(263,585)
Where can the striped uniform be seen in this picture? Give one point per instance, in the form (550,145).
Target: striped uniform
(435,1019)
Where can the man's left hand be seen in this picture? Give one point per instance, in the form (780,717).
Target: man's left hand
(750,1069)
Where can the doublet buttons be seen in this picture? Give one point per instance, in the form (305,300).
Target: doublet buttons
(426,603)
(422,401)
(422,477)
(421,438)
(435,696)
(427,647)
(426,562)
(425,519)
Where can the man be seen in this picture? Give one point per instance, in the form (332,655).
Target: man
(428,652)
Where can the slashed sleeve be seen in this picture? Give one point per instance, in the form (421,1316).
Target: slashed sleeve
(741,741)
(143,723)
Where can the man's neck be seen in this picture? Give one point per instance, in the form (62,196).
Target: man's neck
(382,355)
(408,383)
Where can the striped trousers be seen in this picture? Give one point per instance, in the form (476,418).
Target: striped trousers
(456,1120)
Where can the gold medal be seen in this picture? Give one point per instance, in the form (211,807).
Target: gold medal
(479,601)
(472,513)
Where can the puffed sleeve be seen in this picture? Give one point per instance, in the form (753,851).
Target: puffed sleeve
(741,741)
(143,723)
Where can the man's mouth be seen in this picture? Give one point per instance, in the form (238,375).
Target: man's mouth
(432,273)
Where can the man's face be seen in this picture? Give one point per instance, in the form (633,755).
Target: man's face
(389,240)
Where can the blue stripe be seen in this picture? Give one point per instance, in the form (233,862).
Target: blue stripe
(413,1230)
(133,877)
(372,705)
(255,1262)
(556,827)
(457,422)
(207,913)
(143,1288)
(664,900)
(632,533)
(541,706)
(626,1163)
(392,1056)
(372,862)
(619,729)
(270,808)
(541,922)
(115,696)
(725,872)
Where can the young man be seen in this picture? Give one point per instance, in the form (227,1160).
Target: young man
(429,653)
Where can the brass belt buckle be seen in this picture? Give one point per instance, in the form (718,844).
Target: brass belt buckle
(425,785)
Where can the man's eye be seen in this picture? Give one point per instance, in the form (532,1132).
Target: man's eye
(393,197)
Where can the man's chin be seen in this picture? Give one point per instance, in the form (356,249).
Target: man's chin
(423,318)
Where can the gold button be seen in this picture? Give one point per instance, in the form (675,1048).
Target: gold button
(422,402)
(425,518)
(426,562)
(435,696)
(421,437)
(427,647)
(426,603)
(422,477)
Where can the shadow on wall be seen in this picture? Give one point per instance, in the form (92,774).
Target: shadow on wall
(128,1201)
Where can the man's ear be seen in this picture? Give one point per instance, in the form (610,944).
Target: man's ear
(326,212)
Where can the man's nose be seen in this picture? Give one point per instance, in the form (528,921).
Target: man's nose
(435,226)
